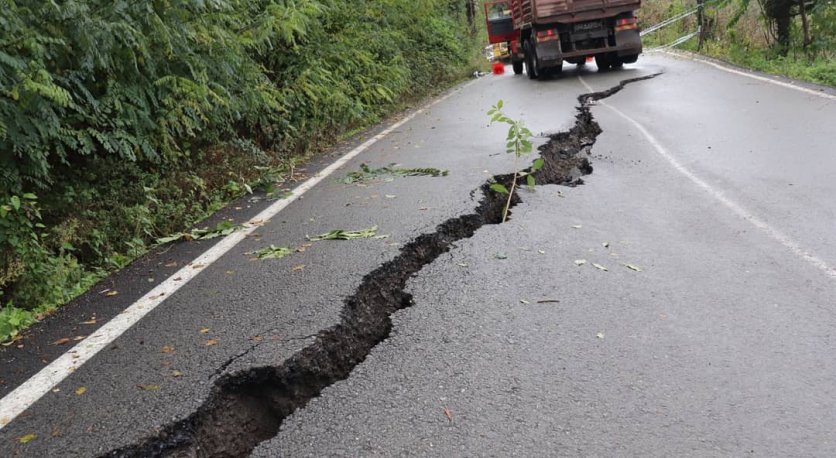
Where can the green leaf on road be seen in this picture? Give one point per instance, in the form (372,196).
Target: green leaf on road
(500,188)
(25,439)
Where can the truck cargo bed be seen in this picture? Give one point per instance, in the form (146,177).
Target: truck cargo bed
(532,12)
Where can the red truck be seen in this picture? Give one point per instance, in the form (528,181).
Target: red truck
(543,33)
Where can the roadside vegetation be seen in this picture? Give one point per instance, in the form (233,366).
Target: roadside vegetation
(773,36)
(126,121)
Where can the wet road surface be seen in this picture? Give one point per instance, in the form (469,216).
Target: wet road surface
(709,333)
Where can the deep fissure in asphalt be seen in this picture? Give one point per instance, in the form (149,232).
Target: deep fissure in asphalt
(246,408)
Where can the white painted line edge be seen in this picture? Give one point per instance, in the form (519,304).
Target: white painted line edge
(16,402)
(751,75)
(769,230)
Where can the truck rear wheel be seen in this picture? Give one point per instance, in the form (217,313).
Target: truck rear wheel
(631,59)
(530,61)
(552,71)
(602,61)
(518,67)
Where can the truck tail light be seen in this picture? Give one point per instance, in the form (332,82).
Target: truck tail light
(547,35)
(626,24)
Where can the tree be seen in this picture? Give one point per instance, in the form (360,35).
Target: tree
(780,14)
(471,15)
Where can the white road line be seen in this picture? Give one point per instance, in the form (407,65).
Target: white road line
(772,232)
(14,403)
(753,76)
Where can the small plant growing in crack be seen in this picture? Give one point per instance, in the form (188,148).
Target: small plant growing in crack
(517,142)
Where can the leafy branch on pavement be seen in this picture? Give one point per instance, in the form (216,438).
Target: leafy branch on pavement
(271,252)
(517,142)
(366,174)
(221,229)
(339,234)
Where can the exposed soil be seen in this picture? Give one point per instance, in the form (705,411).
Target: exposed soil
(248,407)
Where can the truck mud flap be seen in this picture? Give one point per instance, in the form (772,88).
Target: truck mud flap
(549,53)
(628,42)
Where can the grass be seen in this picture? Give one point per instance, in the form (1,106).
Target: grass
(817,69)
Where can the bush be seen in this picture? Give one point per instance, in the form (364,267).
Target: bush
(30,273)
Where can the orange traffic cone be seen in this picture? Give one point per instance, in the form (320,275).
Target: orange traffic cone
(498,68)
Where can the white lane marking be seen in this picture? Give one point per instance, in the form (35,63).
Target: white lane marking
(753,76)
(772,232)
(14,403)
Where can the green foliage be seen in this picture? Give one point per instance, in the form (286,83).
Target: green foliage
(19,241)
(143,80)
(29,272)
(12,320)
(132,79)
(823,28)
(517,142)
(134,119)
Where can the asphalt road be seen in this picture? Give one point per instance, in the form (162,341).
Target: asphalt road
(715,187)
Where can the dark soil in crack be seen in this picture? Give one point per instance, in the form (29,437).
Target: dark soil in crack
(248,407)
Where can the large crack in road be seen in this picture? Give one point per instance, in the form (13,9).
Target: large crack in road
(247,407)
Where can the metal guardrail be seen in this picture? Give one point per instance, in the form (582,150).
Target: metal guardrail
(668,22)
(679,40)
(677,18)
